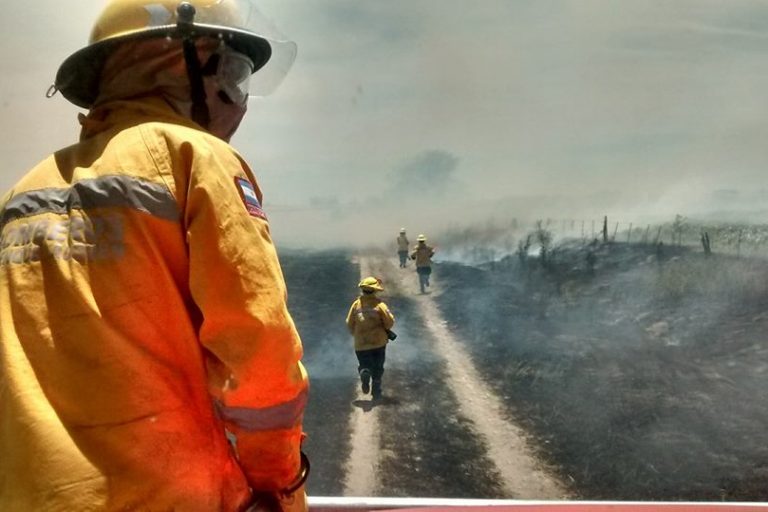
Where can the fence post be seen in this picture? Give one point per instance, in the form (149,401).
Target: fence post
(705,243)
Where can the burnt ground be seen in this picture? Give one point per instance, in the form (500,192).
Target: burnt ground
(320,288)
(641,380)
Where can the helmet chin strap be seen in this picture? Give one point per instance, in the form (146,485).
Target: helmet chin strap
(200,113)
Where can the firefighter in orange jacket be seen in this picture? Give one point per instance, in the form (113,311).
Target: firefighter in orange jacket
(147,358)
(370,322)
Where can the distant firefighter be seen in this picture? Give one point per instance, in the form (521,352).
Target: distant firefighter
(402,247)
(370,322)
(423,253)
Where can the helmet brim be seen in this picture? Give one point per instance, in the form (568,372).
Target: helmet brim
(78,76)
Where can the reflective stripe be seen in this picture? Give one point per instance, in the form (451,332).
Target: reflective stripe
(285,415)
(105,192)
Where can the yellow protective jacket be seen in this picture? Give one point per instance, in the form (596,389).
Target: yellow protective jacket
(143,323)
(423,253)
(402,243)
(368,320)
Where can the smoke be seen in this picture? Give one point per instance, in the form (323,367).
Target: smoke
(330,356)
(429,175)
(421,192)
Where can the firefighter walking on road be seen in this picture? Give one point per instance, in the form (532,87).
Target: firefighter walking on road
(370,322)
(402,247)
(422,254)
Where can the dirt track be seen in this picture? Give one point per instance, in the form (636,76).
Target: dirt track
(506,459)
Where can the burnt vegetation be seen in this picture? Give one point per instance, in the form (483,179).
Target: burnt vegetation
(639,368)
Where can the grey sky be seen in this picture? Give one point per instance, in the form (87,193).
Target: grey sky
(647,105)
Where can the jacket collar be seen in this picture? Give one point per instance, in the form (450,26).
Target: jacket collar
(124,113)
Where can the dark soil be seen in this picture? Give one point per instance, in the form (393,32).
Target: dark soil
(642,379)
(320,287)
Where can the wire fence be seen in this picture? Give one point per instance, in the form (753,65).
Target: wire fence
(495,240)
(739,239)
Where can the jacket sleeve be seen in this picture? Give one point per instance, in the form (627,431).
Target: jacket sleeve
(352,318)
(252,348)
(387,318)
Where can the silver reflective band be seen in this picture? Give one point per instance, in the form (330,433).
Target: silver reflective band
(282,416)
(105,192)
(79,237)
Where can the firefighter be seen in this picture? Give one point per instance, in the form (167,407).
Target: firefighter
(147,357)
(422,254)
(402,247)
(370,322)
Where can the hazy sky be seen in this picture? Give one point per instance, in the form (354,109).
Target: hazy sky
(464,107)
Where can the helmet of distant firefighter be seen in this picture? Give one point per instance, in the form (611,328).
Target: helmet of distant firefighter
(371,284)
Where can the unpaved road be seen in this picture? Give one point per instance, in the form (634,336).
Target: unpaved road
(435,401)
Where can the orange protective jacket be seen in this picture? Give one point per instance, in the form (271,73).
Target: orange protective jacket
(368,320)
(143,326)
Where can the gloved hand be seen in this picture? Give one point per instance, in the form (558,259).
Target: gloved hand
(270,502)
(296,501)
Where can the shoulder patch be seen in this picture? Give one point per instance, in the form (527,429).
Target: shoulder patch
(249,197)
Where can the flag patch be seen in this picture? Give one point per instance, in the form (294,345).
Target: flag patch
(249,197)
